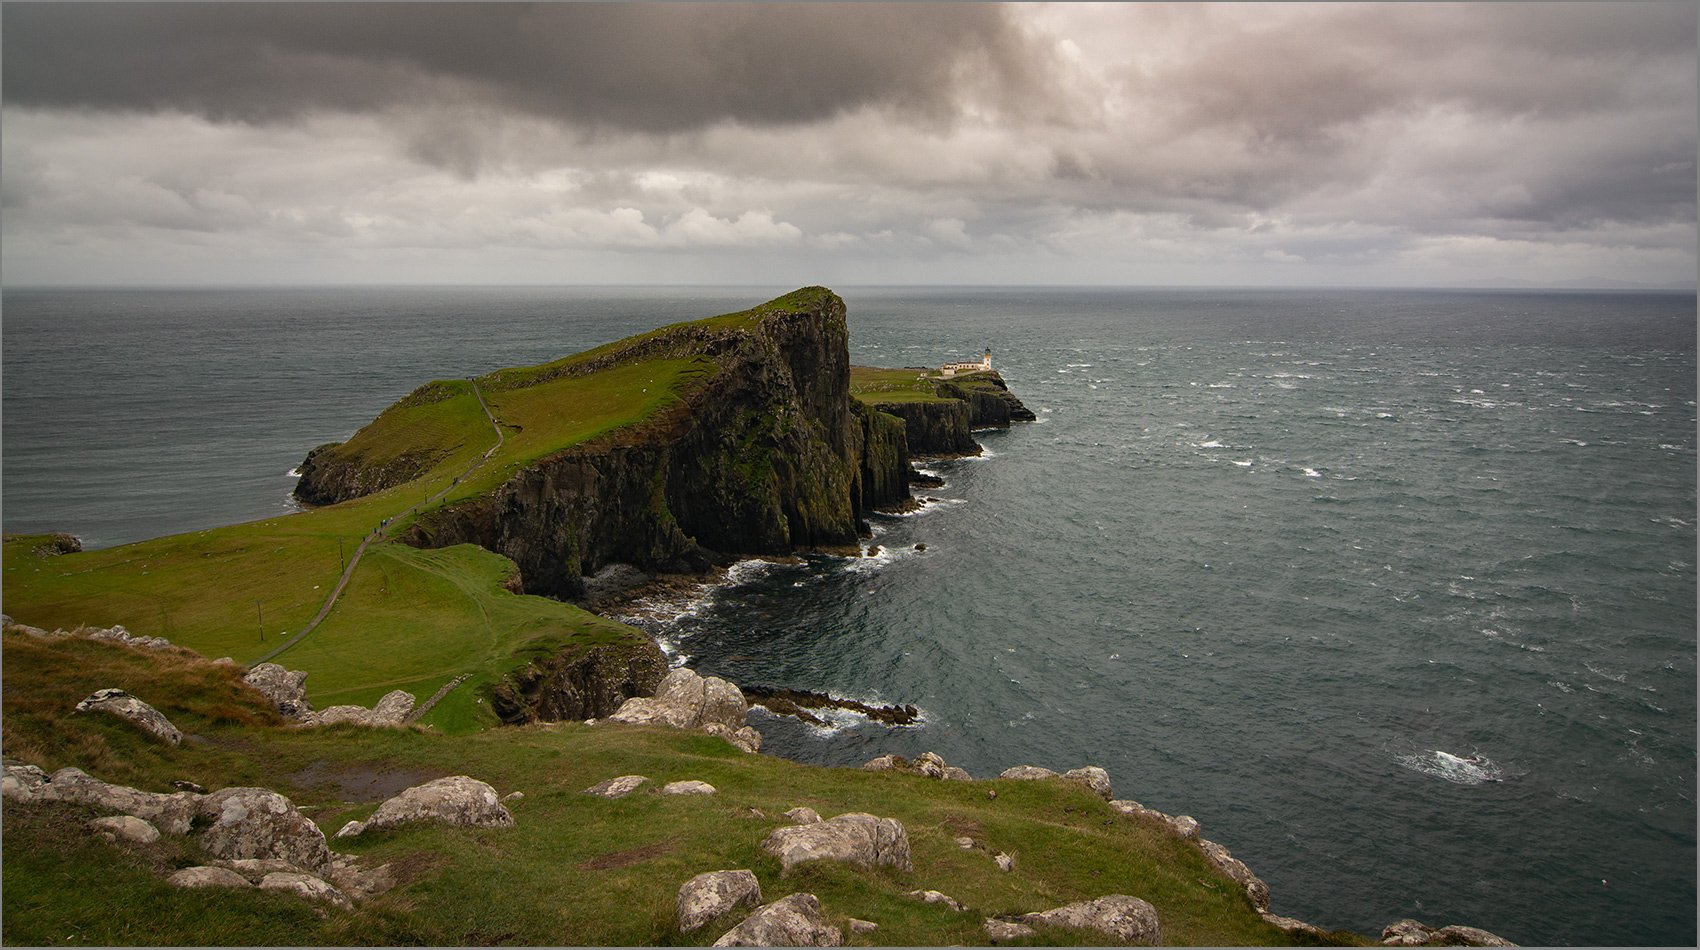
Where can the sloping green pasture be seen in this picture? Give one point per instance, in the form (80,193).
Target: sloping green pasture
(875,385)
(575,870)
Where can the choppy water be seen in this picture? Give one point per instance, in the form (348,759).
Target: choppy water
(1393,591)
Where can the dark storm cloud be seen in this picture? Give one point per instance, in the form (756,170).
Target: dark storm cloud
(655,67)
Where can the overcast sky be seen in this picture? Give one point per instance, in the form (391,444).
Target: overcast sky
(866,143)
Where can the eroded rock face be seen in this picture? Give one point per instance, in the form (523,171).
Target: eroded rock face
(1235,869)
(459,800)
(260,823)
(1411,933)
(712,893)
(579,684)
(1126,918)
(283,687)
(125,706)
(853,838)
(793,921)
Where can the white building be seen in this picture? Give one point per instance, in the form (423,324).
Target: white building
(953,369)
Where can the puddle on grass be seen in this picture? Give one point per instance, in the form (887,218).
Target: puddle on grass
(362,783)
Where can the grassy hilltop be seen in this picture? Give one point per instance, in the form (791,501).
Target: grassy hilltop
(576,870)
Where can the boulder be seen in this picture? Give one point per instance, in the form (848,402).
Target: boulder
(861,926)
(1236,870)
(1005,862)
(1186,826)
(934,897)
(1004,931)
(954,774)
(712,893)
(616,787)
(685,700)
(127,827)
(392,710)
(793,921)
(885,763)
(283,687)
(802,815)
(459,800)
(253,870)
(125,706)
(260,823)
(691,787)
(204,876)
(360,884)
(1128,919)
(1027,773)
(1411,933)
(853,838)
(306,886)
(929,764)
(746,738)
(171,813)
(1292,926)
(1092,777)
(20,782)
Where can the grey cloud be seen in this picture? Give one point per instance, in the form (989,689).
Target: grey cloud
(651,67)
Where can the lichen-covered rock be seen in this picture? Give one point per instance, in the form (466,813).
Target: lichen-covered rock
(459,800)
(391,710)
(205,876)
(1292,926)
(1126,918)
(1411,933)
(929,764)
(283,687)
(1092,777)
(1027,773)
(260,823)
(170,813)
(304,885)
(616,787)
(685,700)
(1235,869)
(802,815)
(1004,931)
(935,897)
(127,827)
(125,706)
(746,738)
(885,763)
(853,838)
(690,787)
(954,774)
(20,782)
(712,893)
(793,921)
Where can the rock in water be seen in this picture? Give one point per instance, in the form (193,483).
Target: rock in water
(1128,919)
(125,706)
(793,921)
(712,893)
(260,823)
(853,838)
(459,800)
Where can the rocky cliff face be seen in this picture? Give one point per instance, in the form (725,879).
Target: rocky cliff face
(586,685)
(764,457)
(979,401)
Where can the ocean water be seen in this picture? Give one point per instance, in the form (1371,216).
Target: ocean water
(1393,591)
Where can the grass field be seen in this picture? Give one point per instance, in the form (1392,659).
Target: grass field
(874,385)
(575,870)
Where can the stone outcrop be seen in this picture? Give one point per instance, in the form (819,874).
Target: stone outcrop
(392,710)
(113,634)
(1092,777)
(852,838)
(1411,933)
(1235,869)
(942,429)
(172,813)
(616,787)
(793,921)
(128,827)
(260,823)
(688,787)
(936,897)
(304,885)
(124,706)
(285,688)
(802,815)
(1004,931)
(459,800)
(1027,773)
(685,700)
(587,684)
(1128,919)
(712,893)
(928,764)
(206,876)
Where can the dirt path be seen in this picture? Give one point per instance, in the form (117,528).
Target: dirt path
(381,532)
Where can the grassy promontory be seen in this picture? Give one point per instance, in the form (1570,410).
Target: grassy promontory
(576,870)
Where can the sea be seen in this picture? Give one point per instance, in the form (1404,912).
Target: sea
(1392,590)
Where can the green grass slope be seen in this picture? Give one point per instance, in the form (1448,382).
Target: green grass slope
(575,870)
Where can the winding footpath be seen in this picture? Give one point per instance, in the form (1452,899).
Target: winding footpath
(380,532)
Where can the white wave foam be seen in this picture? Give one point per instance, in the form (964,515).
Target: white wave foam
(1212,444)
(1459,770)
(1312,473)
(293,473)
(1242,464)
